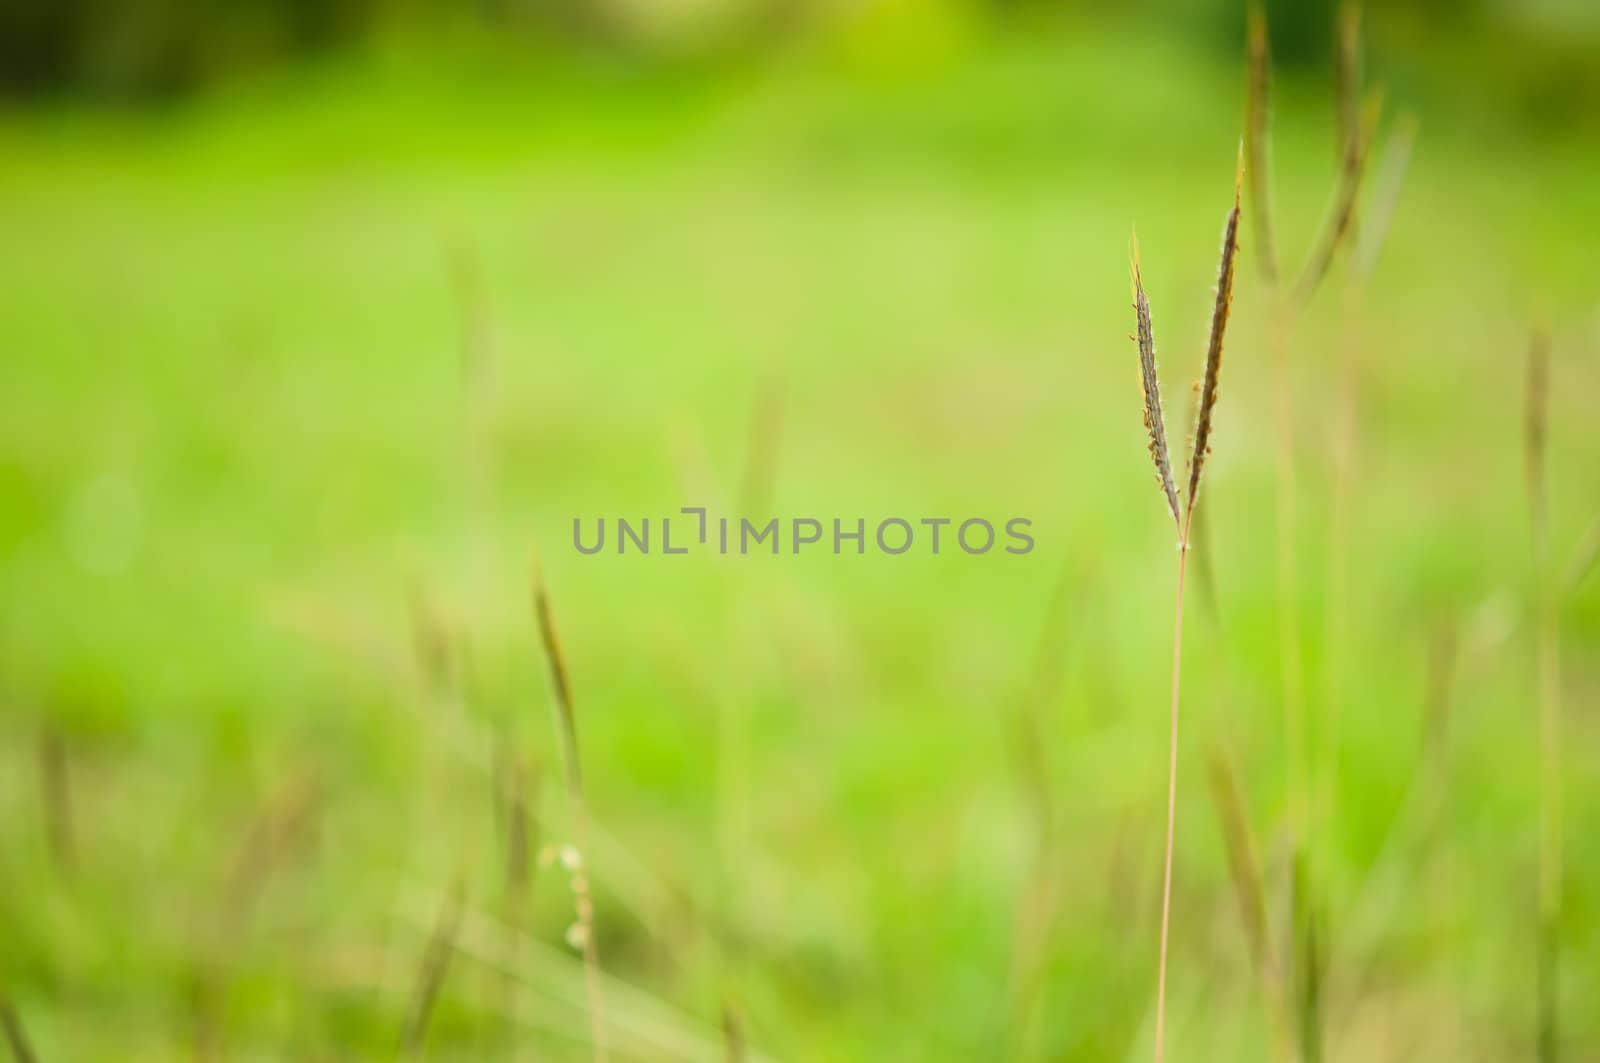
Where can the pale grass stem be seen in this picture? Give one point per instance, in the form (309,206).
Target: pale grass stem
(1403,851)
(1548,652)
(1347,75)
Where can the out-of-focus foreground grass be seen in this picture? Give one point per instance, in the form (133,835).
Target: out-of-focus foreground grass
(297,375)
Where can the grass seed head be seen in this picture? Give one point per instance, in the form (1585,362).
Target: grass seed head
(1219,327)
(1150,386)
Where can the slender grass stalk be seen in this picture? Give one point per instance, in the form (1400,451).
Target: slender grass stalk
(1306,916)
(1583,560)
(1548,652)
(1351,149)
(1172,810)
(1150,388)
(1257,130)
(287,818)
(1344,448)
(1244,870)
(733,1040)
(1182,520)
(566,725)
(1340,222)
(1347,76)
(1345,451)
(515,786)
(16,1037)
(1282,307)
(55,794)
(1403,851)
(431,972)
(521,826)
(1387,185)
(1038,905)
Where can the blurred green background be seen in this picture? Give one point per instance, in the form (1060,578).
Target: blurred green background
(318,318)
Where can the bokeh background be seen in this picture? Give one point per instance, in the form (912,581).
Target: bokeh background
(318,319)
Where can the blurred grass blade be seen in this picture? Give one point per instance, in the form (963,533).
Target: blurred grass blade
(1347,75)
(1535,432)
(1386,194)
(1257,133)
(733,1032)
(1341,215)
(1249,890)
(560,685)
(55,794)
(1548,656)
(16,1038)
(1583,559)
(435,964)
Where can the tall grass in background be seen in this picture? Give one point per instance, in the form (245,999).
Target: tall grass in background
(1310,800)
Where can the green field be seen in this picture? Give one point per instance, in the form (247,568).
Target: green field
(299,375)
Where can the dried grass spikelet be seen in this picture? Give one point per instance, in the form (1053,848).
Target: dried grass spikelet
(1257,120)
(1219,327)
(1150,386)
